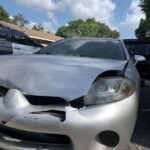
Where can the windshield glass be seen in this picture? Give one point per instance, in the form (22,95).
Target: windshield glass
(108,49)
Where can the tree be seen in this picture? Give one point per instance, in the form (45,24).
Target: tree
(38,27)
(144,27)
(4,15)
(20,20)
(87,28)
(145,6)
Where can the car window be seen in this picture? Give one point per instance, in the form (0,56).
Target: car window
(20,38)
(4,34)
(109,49)
(139,48)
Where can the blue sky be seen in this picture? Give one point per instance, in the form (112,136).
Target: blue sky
(123,15)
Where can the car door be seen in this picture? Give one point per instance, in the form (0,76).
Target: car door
(22,44)
(5,43)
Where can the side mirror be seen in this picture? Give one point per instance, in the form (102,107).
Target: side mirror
(139,58)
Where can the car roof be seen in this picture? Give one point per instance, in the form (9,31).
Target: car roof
(89,38)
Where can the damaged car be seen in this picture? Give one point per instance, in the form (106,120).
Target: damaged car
(77,94)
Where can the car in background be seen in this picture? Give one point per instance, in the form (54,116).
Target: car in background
(16,42)
(140,47)
(5,47)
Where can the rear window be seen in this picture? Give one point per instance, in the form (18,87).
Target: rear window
(108,49)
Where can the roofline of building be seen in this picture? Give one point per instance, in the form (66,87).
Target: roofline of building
(41,38)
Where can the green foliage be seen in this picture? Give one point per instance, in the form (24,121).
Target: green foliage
(4,15)
(145,5)
(17,19)
(49,32)
(20,20)
(87,28)
(144,27)
(38,27)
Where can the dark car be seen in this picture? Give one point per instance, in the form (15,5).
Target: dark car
(140,47)
(16,42)
(5,47)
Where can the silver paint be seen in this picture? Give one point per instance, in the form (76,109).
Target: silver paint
(69,78)
(53,75)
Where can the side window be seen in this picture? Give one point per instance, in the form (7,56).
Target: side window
(20,38)
(4,34)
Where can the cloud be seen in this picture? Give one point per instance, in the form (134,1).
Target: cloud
(47,5)
(133,17)
(52,17)
(30,25)
(102,10)
(47,26)
(11,17)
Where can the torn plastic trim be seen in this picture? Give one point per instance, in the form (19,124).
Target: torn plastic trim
(14,106)
(57,113)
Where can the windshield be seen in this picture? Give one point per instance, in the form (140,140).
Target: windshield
(108,49)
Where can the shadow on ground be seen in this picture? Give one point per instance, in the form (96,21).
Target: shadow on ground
(141,137)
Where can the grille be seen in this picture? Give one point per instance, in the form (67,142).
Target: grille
(34,137)
(45,100)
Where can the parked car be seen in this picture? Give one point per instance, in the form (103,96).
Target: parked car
(5,47)
(140,47)
(82,95)
(16,42)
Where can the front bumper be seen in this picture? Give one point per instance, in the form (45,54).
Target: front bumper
(81,126)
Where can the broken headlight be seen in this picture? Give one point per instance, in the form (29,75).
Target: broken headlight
(107,90)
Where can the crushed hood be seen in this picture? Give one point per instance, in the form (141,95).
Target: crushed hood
(66,77)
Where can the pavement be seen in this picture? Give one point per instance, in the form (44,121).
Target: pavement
(141,136)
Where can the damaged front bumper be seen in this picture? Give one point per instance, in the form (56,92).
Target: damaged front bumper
(25,126)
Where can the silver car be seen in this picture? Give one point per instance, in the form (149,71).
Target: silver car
(83,95)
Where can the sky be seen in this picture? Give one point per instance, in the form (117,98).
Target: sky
(122,15)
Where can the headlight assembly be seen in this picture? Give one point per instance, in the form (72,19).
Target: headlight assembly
(107,90)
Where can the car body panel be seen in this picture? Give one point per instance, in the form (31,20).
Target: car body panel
(81,126)
(53,75)
(70,79)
